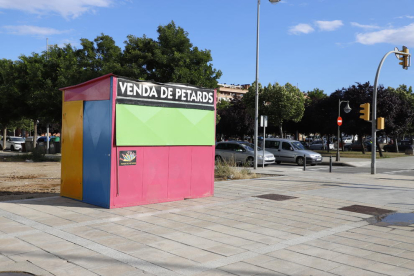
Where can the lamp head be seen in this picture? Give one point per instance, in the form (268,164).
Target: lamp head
(274,1)
(347,108)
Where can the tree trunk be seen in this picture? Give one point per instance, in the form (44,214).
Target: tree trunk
(396,143)
(379,148)
(281,130)
(4,138)
(35,134)
(328,142)
(362,143)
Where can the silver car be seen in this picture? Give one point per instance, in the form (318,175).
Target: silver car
(12,143)
(242,152)
(291,151)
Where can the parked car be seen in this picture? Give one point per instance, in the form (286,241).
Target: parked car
(402,146)
(291,151)
(304,144)
(12,143)
(317,145)
(320,145)
(242,152)
(357,146)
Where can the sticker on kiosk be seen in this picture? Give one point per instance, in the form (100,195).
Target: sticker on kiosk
(127,158)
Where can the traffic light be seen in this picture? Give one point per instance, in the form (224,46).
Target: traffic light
(380,123)
(365,111)
(405,59)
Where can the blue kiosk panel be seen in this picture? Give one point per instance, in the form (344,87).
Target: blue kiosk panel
(97,152)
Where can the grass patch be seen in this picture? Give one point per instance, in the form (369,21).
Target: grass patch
(359,154)
(230,171)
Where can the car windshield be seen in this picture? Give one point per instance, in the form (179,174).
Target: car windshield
(17,139)
(249,147)
(298,146)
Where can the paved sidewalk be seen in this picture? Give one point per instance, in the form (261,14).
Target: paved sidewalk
(232,233)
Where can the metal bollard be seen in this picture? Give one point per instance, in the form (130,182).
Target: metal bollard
(330,164)
(304,162)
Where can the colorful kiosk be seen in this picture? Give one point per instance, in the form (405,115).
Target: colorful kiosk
(127,142)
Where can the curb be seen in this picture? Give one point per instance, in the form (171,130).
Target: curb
(335,163)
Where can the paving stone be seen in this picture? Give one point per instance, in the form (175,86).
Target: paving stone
(314,251)
(17,248)
(353,261)
(407,254)
(241,268)
(352,251)
(40,238)
(390,269)
(260,259)
(151,254)
(346,270)
(213,272)
(85,258)
(117,269)
(284,267)
(225,250)
(71,270)
(26,267)
(381,248)
(385,258)
(312,272)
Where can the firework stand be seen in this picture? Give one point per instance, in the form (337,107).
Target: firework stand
(128,142)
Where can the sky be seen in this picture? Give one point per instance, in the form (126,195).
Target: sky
(325,44)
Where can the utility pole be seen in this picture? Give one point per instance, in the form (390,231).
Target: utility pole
(405,58)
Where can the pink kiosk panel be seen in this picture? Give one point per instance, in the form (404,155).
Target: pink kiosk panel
(161,173)
(93,90)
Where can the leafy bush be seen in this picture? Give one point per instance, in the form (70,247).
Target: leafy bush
(38,155)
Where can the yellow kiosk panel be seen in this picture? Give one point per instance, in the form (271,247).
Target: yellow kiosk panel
(72,145)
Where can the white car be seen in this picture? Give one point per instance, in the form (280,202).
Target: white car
(12,143)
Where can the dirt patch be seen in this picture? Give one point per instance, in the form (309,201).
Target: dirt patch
(22,180)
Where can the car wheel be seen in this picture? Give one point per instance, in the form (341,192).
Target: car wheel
(1,147)
(12,148)
(250,161)
(385,150)
(218,158)
(313,164)
(299,161)
(278,162)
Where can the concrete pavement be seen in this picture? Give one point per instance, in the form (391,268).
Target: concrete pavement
(232,233)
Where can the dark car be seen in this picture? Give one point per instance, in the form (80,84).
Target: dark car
(402,146)
(357,146)
(305,144)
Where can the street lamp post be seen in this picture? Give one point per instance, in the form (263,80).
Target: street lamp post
(256,99)
(347,109)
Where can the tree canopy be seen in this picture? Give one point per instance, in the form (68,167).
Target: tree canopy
(29,87)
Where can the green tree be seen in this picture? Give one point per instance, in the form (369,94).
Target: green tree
(235,119)
(10,97)
(315,95)
(171,58)
(282,104)
(98,57)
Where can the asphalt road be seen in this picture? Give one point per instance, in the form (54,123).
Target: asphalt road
(392,166)
(361,170)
